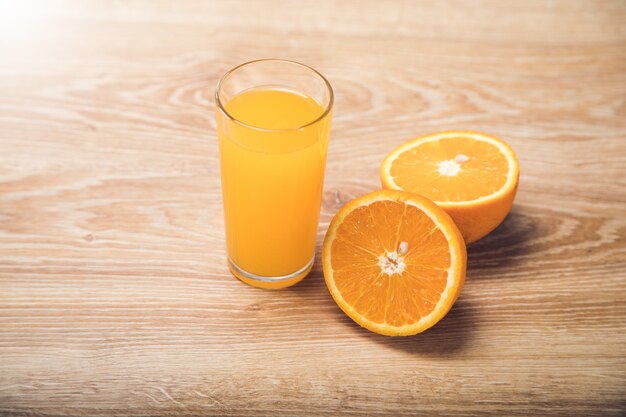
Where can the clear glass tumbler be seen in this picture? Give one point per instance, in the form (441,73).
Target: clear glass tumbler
(273,120)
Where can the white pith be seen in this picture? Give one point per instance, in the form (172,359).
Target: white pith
(452,167)
(391,263)
(449,168)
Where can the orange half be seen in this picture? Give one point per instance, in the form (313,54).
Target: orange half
(471,175)
(394,262)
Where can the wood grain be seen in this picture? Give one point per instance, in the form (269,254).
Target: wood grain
(114,294)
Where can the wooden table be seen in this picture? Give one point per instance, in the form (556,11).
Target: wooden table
(114,294)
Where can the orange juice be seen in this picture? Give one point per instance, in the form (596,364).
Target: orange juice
(272,152)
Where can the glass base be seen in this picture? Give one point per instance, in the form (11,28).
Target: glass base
(273,283)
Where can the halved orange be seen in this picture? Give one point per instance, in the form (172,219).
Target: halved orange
(394,262)
(472,176)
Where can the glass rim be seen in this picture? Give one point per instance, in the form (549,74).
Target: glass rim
(221,107)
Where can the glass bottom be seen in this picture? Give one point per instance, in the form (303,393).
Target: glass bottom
(273,283)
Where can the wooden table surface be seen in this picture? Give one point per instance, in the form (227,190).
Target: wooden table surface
(114,294)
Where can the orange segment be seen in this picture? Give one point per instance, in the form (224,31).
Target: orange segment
(394,262)
(471,175)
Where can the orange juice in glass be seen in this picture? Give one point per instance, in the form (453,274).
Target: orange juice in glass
(273,119)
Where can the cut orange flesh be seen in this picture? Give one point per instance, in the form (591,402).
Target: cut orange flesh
(394,262)
(471,175)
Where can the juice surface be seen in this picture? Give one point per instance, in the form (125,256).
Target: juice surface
(274,109)
(272,179)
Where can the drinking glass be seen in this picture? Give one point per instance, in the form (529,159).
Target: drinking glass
(273,119)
